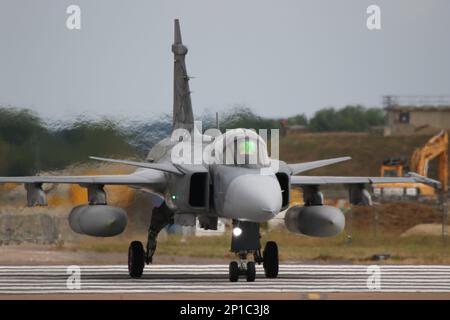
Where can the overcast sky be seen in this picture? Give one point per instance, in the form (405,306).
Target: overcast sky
(278,57)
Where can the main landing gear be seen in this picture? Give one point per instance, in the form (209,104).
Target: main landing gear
(247,242)
(136,259)
(137,256)
(243,243)
(270,259)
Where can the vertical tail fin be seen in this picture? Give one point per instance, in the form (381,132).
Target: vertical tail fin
(182,108)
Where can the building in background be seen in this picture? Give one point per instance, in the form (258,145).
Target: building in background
(407,115)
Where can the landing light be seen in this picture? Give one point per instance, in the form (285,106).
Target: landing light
(237,231)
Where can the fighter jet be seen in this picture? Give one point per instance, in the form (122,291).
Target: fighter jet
(233,178)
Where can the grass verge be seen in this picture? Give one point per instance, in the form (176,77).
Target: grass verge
(360,249)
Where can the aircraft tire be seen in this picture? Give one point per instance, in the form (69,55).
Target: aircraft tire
(136,259)
(270,256)
(234,271)
(251,271)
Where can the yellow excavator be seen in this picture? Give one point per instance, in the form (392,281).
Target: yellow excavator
(435,148)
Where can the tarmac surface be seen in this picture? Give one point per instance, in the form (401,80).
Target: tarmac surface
(295,281)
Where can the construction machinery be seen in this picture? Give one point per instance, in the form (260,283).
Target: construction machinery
(435,148)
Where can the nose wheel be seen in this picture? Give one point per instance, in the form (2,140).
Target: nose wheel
(234,271)
(136,259)
(242,269)
(247,241)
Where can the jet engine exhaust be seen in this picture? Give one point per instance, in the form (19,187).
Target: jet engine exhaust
(98,220)
(315,221)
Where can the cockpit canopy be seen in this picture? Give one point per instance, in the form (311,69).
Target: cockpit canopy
(241,147)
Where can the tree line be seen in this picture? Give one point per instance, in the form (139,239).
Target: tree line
(28,144)
(350,118)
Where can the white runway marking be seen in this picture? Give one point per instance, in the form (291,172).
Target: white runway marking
(214,278)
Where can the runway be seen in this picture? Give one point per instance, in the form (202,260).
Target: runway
(114,279)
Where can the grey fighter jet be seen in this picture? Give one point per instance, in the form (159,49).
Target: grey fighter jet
(234,178)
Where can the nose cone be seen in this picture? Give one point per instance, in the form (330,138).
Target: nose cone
(253,197)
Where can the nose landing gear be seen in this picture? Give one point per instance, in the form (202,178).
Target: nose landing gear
(248,241)
(242,268)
